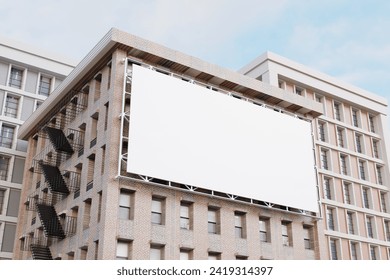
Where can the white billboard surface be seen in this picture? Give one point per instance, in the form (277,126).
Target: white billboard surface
(189,134)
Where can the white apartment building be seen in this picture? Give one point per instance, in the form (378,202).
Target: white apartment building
(27,77)
(352,156)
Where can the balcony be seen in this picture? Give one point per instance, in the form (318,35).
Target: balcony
(62,146)
(39,247)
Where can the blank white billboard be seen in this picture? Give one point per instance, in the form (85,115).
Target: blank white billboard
(186,133)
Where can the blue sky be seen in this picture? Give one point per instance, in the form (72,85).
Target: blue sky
(343,38)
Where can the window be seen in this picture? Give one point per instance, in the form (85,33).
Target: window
(318,98)
(337,111)
(362,170)
(44,86)
(156,252)
(213,221)
(373,252)
(264,228)
(354,250)
(355,118)
(347,193)
(157,211)
(333,249)
(214,256)
(7,136)
(298,91)
(186,254)
(37,104)
(330,218)
(351,222)
(241,258)
(102,167)
(123,250)
(383,197)
(321,131)
(308,237)
(369,224)
(366,197)
(83,253)
(109,75)
(375,149)
(16,78)
(327,188)
(87,213)
(340,137)
(4,163)
(379,177)
(2,195)
(371,120)
(324,159)
(96,249)
(185,221)
(286,233)
(98,81)
(239,224)
(343,164)
(106,116)
(282,84)
(11,106)
(99,213)
(125,202)
(358,142)
(387,230)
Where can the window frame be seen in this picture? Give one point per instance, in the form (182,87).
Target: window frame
(126,243)
(350,195)
(308,237)
(344,164)
(338,111)
(341,137)
(324,159)
(359,143)
(286,232)
(322,131)
(328,188)
(363,171)
(40,84)
(10,143)
(239,224)
(213,226)
(265,234)
(6,170)
(125,211)
(11,79)
(355,117)
(334,250)
(366,197)
(186,218)
(157,212)
(8,110)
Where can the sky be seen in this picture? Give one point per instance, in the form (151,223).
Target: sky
(342,38)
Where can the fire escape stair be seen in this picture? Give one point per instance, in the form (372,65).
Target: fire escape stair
(50,221)
(54,178)
(40,252)
(59,140)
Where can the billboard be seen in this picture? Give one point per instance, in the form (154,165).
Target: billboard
(189,134)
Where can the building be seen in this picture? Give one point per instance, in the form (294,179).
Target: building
(352,154)
(144,152)
(27,77)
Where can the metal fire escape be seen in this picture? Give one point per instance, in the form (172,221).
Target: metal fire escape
(57,184)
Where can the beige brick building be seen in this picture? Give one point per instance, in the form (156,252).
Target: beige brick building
(80,202)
